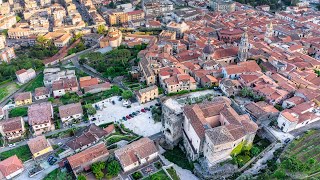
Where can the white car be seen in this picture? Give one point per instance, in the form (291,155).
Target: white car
(12,145)
(126,103)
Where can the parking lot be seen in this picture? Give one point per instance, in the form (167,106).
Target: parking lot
(141,124)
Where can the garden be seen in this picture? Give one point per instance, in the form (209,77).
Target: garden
(121,133)
(243,152)
(178,157)
(18,111)
(7,89)
(35,83)
(23,153)
(158,175)
(108,169)
(58,174)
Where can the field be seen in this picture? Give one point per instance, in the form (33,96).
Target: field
(7,90)
(23,153)
(37,82)
(305,148)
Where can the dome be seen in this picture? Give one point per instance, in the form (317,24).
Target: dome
(208,49)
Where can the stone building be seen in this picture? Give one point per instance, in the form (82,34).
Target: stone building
(211,129)
(223,5)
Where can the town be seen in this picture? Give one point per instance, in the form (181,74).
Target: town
(159,89)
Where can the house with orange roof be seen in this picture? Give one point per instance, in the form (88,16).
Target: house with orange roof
(298,116)
(11,167)
(12,128)
(234,71)
(179,82)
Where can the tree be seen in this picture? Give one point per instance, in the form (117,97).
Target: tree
(255,150)
(82,177)
(279,174)
(99,175)
(101,29)
(42,41)
(127,94)
(113,168)
(90,109)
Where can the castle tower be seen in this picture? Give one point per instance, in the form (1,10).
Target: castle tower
(243,47)
(269,32)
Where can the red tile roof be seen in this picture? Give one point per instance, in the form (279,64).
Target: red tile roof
(10,165)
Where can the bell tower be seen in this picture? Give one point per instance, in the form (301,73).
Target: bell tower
(243,47)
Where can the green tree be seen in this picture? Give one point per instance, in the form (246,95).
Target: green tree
(279,174)
(127,94)
(90,110)
(81,177)
(255,150)
(42,41)
(18,18)
(113,168)
(101,29)
(99,175)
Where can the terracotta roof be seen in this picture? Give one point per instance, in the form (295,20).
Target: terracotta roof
(40,91)
(38,144)
(102,86)
(10,165)
(88,155)
(22,96)
(87,136)
(21,71)
(40,113)
(12,124)
(88,82)
(70,110)
(131,153)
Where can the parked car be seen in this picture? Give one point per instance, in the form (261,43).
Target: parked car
(124,118)
(12,145)
(131,115)
(93,119)
(120,99)
(158,104)
(287,140)
(151,107)
(134,113)
(147,109)
(60,143)
(128,117)
(126,103)
(50,158)
(129,106)
(54,160)
(143,110)
(113,102)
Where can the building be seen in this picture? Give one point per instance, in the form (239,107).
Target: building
(83,160)
(147,94)
(55,74)
(157,7)
(63,86)
(243,47)
(86,138)
(39,146)
(88,81)
(298,116)
(137,153)
(7,21)
(230,87)
(117,17)
(113,39)
(23,98)
(2,41)
(234,71)
(7,54)
(25,76)
(210,129)
(179,28)
(12,128)
(42,93)
(224,6)
(40,117)
(11,167)
(179,82)
(70,112)
(261,111)
(97,88)
(60,39)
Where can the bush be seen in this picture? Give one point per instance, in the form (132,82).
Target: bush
(114,168)
(137,175)
(19,111)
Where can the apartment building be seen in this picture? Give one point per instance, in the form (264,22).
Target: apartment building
(147,94)
(12,128)
(7,54)
(70,112)
(23,98)
(40,117)
(25,76)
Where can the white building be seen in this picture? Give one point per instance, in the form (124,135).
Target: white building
(25,76)
(70,111)
(298,116)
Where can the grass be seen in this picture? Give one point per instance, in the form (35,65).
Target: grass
(177,156)
(37,82)
(23,153)
(173,173)
(159,175)
(19,111)
(116,138)
(8,89)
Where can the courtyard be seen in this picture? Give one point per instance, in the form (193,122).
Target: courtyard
(141,124)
